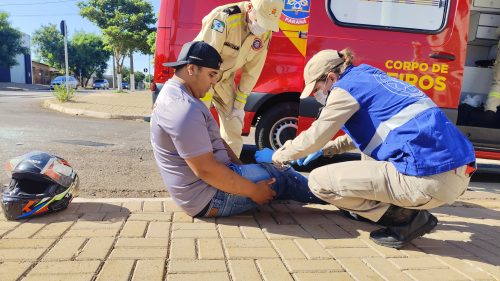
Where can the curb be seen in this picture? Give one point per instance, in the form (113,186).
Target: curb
(50,104)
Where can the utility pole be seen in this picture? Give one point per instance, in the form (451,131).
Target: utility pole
(149,70)
(64,31)
(114,71)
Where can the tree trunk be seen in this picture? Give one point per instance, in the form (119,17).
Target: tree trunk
(132,76)
(119,72)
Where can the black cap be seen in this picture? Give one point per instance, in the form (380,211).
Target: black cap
(198,53)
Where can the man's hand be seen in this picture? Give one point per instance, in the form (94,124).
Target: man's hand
(236,113)
(264,156)
(263,194)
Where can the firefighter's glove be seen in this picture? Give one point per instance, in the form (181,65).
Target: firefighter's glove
(236,113)
(309,158)
(264,156)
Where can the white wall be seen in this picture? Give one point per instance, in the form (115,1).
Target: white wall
(18,72)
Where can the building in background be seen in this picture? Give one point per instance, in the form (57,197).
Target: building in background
(21,72)
(42,73)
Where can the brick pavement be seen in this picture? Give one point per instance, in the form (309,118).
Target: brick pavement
(151,239)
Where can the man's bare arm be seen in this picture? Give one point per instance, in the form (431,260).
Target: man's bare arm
(221,177)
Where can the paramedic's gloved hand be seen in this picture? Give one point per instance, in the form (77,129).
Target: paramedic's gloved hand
(264,156)
(236,113)
(306,160)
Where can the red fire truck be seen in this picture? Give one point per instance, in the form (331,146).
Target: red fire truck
(444,47)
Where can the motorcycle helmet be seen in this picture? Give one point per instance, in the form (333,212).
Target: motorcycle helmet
(41,183)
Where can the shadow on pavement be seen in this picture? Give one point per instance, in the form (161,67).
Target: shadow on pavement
(84,211)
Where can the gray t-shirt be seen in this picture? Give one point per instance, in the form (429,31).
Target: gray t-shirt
(182,127)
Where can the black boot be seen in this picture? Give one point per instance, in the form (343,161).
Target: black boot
(399,236)
(396,215)
(353,216)
(393,216)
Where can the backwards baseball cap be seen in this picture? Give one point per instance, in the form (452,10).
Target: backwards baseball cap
(268,13)
(321,63)
(198,53)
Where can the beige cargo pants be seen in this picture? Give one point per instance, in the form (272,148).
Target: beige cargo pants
(368,188)
(230,129)
(493,100)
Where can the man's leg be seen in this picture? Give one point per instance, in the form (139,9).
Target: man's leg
(377,191)
(493,100)
(290,185)
(230,130)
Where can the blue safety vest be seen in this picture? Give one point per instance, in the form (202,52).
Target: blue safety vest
(398,123)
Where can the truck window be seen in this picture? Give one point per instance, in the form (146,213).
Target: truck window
(425,16)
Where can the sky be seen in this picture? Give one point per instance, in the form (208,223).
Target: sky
(29,15)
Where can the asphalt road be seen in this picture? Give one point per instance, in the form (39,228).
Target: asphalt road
(113,158)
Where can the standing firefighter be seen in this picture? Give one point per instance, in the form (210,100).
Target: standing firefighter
(240,33)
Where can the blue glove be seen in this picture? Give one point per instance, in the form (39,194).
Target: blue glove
(264,156)
(309,158)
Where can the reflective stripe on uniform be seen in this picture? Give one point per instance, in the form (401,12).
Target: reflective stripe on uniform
(234,20)
(494,95)
(208,97)
(396,121)
(241,97)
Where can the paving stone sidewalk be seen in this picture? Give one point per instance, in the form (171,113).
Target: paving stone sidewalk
(151,239)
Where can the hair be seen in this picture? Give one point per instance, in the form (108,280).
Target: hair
(348,56)
(177,68)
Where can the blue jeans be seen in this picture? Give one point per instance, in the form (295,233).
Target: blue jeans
(289,185)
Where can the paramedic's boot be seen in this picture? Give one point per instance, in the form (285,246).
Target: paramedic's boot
(396,216)
(399,236)
(353,216)
(393,216)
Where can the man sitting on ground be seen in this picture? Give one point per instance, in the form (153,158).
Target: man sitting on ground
(202,174)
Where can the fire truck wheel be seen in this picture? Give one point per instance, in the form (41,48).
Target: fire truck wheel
(277,125)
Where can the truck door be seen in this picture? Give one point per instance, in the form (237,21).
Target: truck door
(421,42)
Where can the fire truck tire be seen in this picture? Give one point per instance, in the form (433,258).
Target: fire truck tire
(277,125)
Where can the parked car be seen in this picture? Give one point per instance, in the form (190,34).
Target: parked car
(100,84)
(125,85)
(60,80)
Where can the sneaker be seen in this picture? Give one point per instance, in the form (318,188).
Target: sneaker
(401,235)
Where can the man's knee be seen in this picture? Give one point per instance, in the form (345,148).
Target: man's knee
(319,183)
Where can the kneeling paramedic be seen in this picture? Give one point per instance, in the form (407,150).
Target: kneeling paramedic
(202,174)
(421,159)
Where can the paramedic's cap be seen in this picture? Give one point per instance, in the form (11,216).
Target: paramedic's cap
(318,65)
(198,53)
(268,13)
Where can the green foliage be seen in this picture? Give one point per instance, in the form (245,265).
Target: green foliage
(152,42)
(86,51)
(139,76)
(88,55)
(126,74)
(61,94)
(125,24)
(49,44)
(11,42)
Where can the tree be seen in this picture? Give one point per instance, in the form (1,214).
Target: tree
(11,43)
(88,56)
(126,74)
(139,76)
(152,42)
(125,25)
(49,44)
